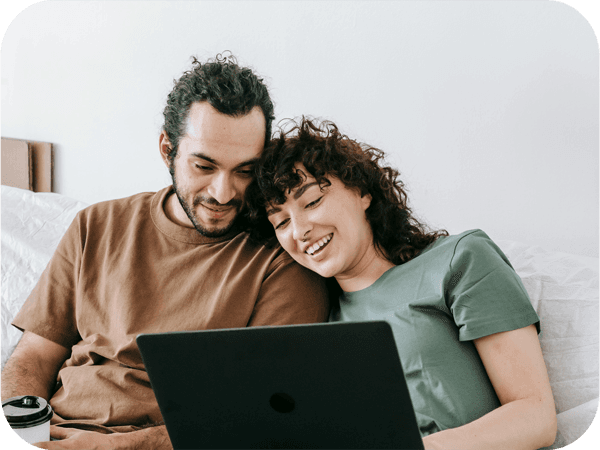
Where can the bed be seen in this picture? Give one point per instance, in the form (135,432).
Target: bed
(563,289)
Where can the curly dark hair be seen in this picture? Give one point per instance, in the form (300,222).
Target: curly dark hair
(229,88)
(325,152)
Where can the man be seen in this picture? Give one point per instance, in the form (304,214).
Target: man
(177,259)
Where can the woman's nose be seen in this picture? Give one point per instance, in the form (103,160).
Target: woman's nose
(301,229)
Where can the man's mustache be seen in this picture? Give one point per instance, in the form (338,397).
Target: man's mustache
(212,202)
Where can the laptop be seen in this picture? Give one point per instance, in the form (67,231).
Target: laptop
(328,385)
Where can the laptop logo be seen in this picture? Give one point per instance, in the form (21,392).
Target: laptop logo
(282,403)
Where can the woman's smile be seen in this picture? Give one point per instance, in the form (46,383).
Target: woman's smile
(318,246)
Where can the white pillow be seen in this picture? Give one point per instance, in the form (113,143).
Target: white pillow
(564,292)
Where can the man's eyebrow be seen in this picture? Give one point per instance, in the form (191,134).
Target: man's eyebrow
(206,158)
(249,162)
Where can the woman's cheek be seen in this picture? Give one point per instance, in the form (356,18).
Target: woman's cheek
(288,244)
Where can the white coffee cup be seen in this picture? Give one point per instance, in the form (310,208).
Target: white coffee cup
(29,416)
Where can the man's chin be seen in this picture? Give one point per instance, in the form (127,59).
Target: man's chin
(212,231)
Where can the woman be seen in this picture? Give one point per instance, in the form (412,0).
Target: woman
(464,327)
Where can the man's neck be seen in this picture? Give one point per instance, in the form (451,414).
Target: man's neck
(175,212)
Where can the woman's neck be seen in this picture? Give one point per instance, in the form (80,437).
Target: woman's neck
(364,274)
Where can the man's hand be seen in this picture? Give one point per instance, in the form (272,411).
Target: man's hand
(74,439)
(154,438)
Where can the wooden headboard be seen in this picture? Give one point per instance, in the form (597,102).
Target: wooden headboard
(27,164)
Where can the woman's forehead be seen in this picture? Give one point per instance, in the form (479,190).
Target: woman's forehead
(302,171)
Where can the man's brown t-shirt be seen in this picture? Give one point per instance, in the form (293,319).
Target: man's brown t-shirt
(123,268)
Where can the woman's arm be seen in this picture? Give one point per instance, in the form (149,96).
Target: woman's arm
(527,418)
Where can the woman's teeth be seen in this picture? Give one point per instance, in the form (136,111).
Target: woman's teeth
(319,244)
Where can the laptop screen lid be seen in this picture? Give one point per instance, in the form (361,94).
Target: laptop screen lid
(329,385)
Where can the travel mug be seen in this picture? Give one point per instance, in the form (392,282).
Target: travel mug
(29,416)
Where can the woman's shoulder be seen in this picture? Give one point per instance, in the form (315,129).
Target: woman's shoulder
(470,245)
(468,239)
(474,246)
(468,236)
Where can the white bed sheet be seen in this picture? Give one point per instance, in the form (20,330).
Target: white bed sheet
(32,226)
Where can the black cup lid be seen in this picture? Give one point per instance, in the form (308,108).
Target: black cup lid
(26,411)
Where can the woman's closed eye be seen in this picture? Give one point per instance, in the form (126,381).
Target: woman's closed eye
(314,203)
(310,205)
(281,224)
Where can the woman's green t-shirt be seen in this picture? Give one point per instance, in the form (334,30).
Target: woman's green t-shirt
(458,289)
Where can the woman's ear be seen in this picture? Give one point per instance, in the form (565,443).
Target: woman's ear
(165,148)
(365,200)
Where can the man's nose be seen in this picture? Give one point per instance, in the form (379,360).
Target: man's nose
(222,189)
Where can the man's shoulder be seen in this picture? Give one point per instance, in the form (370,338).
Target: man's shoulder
(116,212)
(264,249)
(120,204)
(250,244)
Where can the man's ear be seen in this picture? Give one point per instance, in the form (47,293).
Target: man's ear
(165,148)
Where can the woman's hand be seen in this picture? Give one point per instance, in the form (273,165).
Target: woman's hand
(429,442)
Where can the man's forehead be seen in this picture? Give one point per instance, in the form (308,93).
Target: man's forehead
(226,141)
(205,121)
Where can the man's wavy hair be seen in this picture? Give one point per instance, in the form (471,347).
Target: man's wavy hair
(325,152)
(229,88)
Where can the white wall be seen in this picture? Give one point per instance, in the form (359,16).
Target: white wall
(489,109)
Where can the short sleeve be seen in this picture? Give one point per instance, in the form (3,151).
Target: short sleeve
(484,293)
(49,311)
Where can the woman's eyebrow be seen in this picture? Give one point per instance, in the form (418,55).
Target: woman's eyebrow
(302,189)
(274,209)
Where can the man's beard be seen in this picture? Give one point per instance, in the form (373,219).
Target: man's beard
(190,210)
